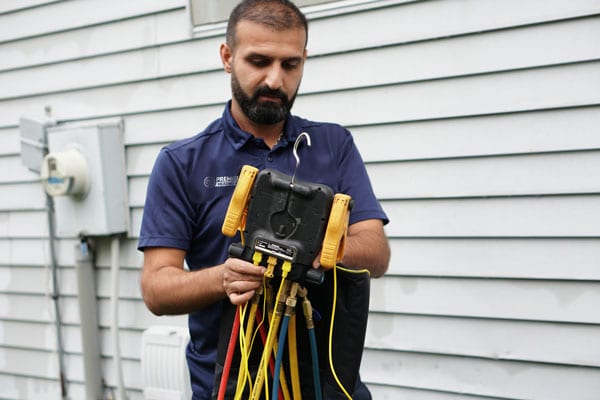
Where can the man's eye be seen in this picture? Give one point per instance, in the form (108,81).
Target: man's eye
(289,65)
(259,62)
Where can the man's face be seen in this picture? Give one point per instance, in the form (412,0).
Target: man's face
(266,69)
(263,112)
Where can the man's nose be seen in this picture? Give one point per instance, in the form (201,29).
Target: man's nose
(274,78)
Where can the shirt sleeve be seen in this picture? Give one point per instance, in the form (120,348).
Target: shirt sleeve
(168,214)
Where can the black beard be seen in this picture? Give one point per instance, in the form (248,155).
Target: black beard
(264,113)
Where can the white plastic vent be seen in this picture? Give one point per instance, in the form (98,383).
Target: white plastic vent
(165,374)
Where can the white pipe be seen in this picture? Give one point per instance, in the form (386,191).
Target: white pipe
(88,315)
(114,300)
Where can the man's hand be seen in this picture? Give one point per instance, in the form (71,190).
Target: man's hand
(241,279)
(168,289)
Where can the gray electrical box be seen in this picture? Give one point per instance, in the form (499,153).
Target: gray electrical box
(103,208)
(33,141)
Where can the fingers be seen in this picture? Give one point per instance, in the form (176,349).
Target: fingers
(317,261)
(241,279)
(243,268)
(240,298)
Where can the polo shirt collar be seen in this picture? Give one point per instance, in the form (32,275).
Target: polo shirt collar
(238,137)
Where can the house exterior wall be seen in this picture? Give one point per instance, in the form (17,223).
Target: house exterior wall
(477,120)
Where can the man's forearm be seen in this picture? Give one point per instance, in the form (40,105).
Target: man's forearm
(367,247)
(171,290)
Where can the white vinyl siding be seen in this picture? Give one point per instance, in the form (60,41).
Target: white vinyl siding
(477,120)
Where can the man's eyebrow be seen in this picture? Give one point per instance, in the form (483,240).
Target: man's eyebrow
(295,58)
(267,57)
(256,55)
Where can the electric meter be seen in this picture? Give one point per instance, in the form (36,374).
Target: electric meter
(65,173)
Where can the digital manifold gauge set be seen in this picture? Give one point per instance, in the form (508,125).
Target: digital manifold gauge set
(284,225)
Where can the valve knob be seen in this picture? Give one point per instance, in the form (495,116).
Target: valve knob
(314,276)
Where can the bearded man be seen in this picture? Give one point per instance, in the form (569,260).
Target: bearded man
(193,179)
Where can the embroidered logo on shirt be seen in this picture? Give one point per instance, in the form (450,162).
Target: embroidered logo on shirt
(220,181)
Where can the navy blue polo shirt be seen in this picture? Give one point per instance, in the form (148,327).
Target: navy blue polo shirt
(192,182)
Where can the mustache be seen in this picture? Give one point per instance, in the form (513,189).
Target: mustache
(266,91)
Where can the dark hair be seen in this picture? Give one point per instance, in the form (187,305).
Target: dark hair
(277,14)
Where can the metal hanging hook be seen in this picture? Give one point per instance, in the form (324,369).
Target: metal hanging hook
(301,136)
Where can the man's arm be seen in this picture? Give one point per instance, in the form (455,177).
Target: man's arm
(367,247)
(168,289)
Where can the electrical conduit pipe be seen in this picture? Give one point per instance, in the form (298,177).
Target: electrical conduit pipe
(88,314)
(114,301)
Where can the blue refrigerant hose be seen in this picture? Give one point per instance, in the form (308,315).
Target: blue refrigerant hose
(315,362)
(279,357)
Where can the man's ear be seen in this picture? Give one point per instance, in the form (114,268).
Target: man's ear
(226,55)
